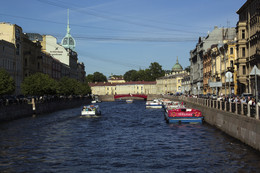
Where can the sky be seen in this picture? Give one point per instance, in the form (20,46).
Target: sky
(115,36)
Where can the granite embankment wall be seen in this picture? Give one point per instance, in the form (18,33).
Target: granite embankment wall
(241,127)
(16,111)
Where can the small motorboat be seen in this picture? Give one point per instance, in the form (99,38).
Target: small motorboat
(155,104)
(90,110)
(183,115)
(129,101)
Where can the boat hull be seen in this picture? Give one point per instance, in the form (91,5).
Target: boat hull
(175,116)
(184,120)
(154,106)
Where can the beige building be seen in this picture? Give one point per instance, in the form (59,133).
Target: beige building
(137,87)
(217,61)
(116,79)
(13,34)
(248,46)
(172,82)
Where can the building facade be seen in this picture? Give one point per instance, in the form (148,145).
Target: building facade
(248,45)
(217,36)
(137,87)
(13,34)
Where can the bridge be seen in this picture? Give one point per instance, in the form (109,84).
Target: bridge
(130,95)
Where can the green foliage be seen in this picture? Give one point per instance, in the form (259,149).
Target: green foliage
(90,78)
(96,77)
(67,86)
(7,84)
(187,69)
(154,71)
(130,75)
(39,84)
(99,77)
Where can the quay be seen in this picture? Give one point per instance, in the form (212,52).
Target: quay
(16,111)
(240,121)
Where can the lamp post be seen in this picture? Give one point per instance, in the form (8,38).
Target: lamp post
(255,71)
(229,77)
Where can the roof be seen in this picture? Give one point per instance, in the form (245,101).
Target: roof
(126,83)
(177,66)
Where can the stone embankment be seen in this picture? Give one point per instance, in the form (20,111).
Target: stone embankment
(16,111)
(239,121)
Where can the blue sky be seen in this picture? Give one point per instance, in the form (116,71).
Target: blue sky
(115,36)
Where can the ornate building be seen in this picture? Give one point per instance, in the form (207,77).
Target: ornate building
(217,36)
(172,82)
(248,45)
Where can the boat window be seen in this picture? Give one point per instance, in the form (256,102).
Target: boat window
(183,110)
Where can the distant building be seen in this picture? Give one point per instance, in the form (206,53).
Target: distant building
(217,36)
(136,87)
(116,79)
(171,82)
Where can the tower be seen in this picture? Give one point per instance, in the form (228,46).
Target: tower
(68,41)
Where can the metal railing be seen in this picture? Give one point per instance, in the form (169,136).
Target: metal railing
(233,107)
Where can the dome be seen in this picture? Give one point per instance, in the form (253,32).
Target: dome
(177,67)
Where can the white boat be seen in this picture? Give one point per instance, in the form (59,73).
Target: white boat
(90,110)
(129,101)
(155,104)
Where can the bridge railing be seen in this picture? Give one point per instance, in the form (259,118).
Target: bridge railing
(244,109)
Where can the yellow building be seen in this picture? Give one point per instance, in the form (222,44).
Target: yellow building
(217,61)
(172,82)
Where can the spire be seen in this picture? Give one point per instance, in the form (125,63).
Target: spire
(68,41)
(68,24)
(177,62)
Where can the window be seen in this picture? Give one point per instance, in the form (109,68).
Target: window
(25,62)
(17,49)
(243,52)
(231,51)
(244,69)
(231,63)
(243,34)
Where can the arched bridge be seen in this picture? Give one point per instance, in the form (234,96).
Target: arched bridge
(130,95)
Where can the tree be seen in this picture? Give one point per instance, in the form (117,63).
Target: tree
(187,69)
(156,71)
(67,86)
(90,78)
(130,75)
(99,77)
(39,84)
(7,84)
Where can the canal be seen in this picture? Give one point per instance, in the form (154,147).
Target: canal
(126,138)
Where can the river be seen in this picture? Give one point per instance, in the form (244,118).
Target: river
(126,138)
